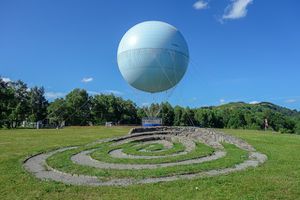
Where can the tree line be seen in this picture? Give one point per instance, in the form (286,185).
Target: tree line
(19,103)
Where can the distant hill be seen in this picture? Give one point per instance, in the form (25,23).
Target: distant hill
(250,116)
(283,110)
(259,107)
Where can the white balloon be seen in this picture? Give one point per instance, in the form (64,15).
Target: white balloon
(153,56)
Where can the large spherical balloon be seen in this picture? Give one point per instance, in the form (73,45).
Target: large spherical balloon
(153,56)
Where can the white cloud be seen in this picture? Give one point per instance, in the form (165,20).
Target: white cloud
(237,9)
(6,80)
(93,92)
(200,5)
(193,99)
(222,101)
(87,80)
(291,101)
(146,104)
(254,102)
(54,95)
(115,92)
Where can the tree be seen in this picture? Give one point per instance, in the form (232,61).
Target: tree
(219,119)
(178,111)
(140,115)
(183,116)
(237,120)
(37,104)
(6,98)
(57,111)
(187,117)
(202,117)
(209,118)
(99,110)
(297,128)
(129,112)
(106,108)
(19,104)
(111,108)
(78,107)
(167,114)
(275,120)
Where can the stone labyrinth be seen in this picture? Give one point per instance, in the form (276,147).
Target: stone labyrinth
(147,155)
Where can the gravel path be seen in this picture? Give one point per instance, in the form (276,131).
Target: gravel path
(38,167)
(84,159)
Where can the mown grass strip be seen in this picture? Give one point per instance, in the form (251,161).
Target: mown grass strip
(102,154)
(152,147)
(62,162)
(136,150)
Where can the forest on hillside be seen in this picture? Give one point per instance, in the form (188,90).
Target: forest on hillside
(18,103)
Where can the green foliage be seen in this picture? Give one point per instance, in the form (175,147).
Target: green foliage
(208,118)
(19,103)
(78,107)
(183,116)
(167,114)
(37,104)
(247,116)
(141,114)
(178,115)
(111,108)
(57,111)
(6,101)
(298,128)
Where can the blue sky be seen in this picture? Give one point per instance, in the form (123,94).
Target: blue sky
(241,50)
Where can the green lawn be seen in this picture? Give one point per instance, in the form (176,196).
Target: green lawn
(278,178)
(62,162)
(153,149)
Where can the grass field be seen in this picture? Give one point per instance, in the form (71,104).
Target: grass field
(278,178)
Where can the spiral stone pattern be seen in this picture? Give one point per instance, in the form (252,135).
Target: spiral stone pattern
(178,144)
